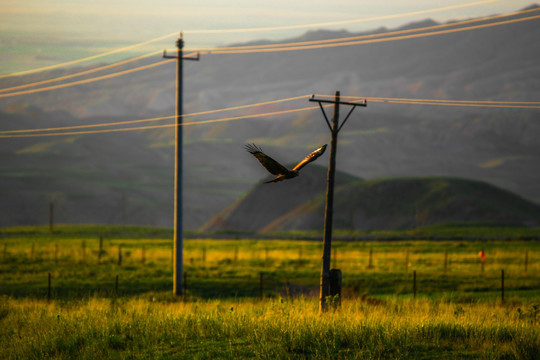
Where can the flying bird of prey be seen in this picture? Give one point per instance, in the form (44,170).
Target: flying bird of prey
(276,168)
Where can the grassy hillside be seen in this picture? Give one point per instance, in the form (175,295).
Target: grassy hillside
(402,203)
(266,203)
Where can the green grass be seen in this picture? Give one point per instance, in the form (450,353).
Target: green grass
(231,268)
(457,314)
(154,328)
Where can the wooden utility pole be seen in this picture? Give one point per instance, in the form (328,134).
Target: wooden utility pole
(334,127)
(178,236)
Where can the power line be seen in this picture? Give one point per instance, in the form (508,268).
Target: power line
(161,126)
(433,102)
(86,72)
(458,104)
(155,118)
(89,57)
(353,21)
(213,31)
(103,77)
(358,37)
(287,47)
(387,39)
(487,102)
(412,101)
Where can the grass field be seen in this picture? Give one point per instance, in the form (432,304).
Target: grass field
(457,313)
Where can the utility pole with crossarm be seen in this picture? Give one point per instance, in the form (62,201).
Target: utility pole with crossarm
(334,127)
(178,236)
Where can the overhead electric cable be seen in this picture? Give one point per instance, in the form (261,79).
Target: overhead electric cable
(458,104)
(103,77)
(155,118)
(342,22)
(295,48)
(387,39)
(213,31)
(496,102)
(216,49)
(368,36)
(86,72)
(89,57)
(6,134)
(161,126)
(437,102)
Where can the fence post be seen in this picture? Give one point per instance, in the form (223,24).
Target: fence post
(445,260)
(502,286)
(83,246)
(407,261)
(335,284)
(49,288)
(100,248)
(482,260)
(51,217)
(143,256)
(119,255)
(414,284)
(370,263)
(288,289)
(526,260)
(261,286)
(184,287)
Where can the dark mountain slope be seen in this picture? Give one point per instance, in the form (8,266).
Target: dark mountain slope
(267,202)
(396,204)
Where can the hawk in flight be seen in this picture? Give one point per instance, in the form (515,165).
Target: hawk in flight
(275,168)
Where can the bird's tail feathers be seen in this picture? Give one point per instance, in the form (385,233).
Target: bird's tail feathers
(275,180)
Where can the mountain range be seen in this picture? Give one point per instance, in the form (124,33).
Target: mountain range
(127,177)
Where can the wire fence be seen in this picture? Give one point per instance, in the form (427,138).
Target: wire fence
(260,269)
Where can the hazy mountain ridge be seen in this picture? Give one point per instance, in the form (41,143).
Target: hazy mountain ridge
(370,62)
(382,140)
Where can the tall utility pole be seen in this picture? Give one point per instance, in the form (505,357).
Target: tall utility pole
(178,236)
(334,127)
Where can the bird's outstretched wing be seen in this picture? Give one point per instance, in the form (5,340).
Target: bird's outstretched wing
(311,157)
(270,164)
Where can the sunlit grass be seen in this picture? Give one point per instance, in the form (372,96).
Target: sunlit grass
(230,268)
(150,328)
(456,314)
